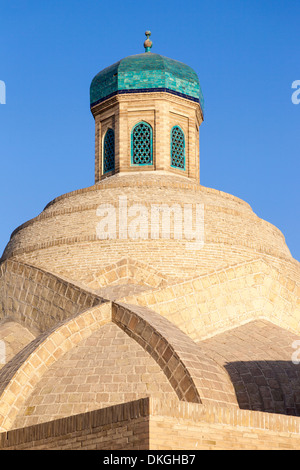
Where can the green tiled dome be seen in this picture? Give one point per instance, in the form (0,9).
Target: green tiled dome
(146,72)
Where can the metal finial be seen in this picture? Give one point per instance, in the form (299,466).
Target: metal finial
(148,42)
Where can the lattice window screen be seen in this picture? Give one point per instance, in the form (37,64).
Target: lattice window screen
(109,151)
(177,148)
(141,140)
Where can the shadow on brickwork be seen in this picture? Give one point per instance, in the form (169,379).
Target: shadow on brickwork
(269,386)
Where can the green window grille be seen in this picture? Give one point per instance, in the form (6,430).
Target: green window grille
(141,144)
(177,148)
(109,151)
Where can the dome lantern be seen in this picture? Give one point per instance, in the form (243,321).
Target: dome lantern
(148,110)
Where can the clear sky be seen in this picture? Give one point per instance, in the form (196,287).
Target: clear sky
(246,53)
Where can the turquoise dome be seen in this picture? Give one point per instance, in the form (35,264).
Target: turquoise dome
(146,72)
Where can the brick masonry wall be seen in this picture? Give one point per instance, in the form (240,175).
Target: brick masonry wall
(196,427)
(162,111)
(15,338)
(213,303)
(63,238)
(124,272)
(192,376)
(19,377)
(105,369)
(258,358)
(37,299)
(149,424)
(195,378)
(123,427)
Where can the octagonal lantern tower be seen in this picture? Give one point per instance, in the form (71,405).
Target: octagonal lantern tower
(148,110)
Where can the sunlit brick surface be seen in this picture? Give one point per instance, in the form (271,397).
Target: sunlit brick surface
(206,333)
(15,337)
(105,369)
(258,359)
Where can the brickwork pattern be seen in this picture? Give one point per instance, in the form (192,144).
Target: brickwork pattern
(161,111)
(172,309)
(201,338)
(258,359)
(198,427)
(19,376)
(151,424)
(15,338)
(70,248)
(123,427)
(192,376)
(213,303)
(105,369)
(37,299)
(126,271)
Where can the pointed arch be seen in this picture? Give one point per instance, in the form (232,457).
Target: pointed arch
(109,151)
(141,144)
(177,148)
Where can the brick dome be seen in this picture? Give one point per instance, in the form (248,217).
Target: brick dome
(65,232)
(142,336)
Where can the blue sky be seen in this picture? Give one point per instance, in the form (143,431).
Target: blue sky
(246,53)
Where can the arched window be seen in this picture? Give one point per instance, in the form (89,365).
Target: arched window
(109,151)
(177,148)
(141,144)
